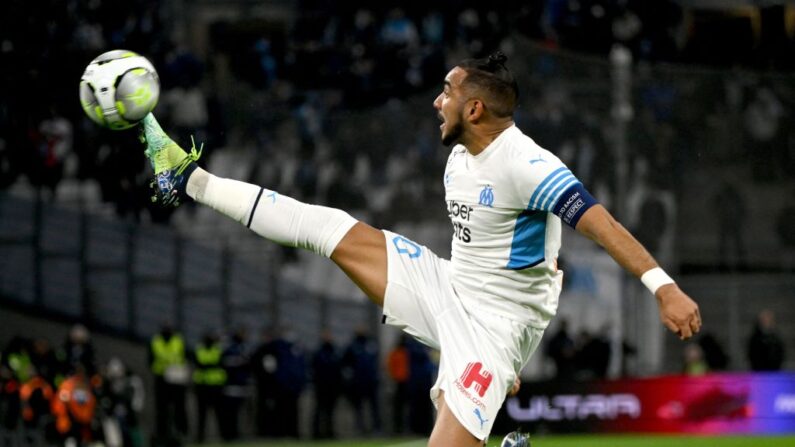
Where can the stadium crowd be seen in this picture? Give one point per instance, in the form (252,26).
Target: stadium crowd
(51,394)
(361,54)
(65,396)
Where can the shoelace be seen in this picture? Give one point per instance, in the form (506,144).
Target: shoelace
(192,156)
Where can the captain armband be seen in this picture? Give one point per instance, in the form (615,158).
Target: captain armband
(573,203)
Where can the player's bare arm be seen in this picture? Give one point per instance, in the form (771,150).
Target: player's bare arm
(678,312)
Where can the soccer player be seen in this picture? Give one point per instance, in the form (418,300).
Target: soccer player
(487,307)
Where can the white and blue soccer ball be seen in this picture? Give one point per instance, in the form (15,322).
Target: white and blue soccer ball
(118,89)
(515,439)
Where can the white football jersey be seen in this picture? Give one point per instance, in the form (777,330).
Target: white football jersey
(504,204)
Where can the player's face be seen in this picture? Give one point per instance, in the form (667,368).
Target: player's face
(450,105)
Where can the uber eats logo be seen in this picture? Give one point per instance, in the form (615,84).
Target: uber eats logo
(459,212)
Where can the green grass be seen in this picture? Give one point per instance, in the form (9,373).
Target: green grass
(557,441)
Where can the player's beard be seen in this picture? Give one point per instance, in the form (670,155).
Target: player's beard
(453,134)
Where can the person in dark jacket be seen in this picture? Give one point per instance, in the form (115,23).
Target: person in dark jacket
(422,372)
(263,367)
(360,372)
(765,347)
(326,364)
(78,349)
(562,351)
(236,363)
(290,378)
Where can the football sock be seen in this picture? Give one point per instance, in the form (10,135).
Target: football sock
(271,215)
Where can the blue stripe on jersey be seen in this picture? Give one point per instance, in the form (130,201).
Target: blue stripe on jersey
(543,188)
(543,198)
(529,237)
(543,184)
(552,199)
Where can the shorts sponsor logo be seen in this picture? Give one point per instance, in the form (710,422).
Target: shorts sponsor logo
(474,376)
(469,395)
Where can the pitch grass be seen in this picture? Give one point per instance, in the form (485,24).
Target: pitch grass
(555,441)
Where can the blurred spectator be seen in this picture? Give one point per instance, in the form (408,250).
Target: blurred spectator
(562,351)
(629,352)
(398,30)
(763,118)
(398,370)
(79,351)
(290,379)
(267,62)
(327,383)
(122,400)
(167,360)
(121,178)
(422,372)
(75,410)
(694,363)
(209,378)
(765,346)
(360,372)
(593,355)
(235,361)
(627,27)
(185,103)
(714,354)
(16,369)
(35,396)
(52,141)
(263,366)
(46,361)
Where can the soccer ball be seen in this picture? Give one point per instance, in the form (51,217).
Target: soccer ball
(515,439)
(118,89)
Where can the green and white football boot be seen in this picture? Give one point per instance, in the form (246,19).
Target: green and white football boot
(171,164)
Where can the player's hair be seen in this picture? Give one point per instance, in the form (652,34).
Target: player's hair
(494,83)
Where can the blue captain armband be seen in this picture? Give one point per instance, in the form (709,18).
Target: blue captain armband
(573,203)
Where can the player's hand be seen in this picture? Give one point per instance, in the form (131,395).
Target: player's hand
(517,383)
(678,312)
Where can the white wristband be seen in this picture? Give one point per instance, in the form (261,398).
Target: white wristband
(655,278)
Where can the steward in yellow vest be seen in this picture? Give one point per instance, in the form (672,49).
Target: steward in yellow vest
(168,362)
(209,378)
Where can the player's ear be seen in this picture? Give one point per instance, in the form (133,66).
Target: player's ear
(474,110)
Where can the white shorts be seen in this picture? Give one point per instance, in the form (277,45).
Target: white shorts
(481,353)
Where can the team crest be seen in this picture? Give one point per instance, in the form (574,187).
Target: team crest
(486,196)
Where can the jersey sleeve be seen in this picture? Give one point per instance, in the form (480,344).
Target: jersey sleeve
(553,188)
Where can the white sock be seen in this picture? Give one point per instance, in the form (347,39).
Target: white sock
(276,217)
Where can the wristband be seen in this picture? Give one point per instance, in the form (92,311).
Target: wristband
(655,278)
